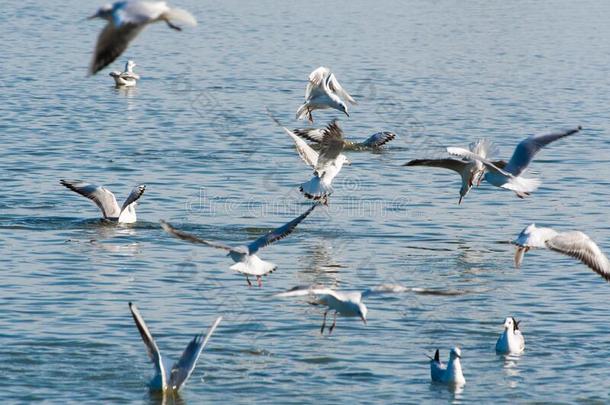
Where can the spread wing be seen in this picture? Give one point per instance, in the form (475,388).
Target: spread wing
(379,139)
(334,86)
(134,196)
(101,196)
(464,153)
(397,289)
(332,145)
(151,347)
(529,147)
(311,134)
(306,152)
(316,79)
(182,370)
(278,233)
(448,163)
(111,43)
(191,238)
(307,290)
(580,246)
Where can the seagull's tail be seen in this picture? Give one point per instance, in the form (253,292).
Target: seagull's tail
(302,112)
(179,15)
(522,186)
(316,189)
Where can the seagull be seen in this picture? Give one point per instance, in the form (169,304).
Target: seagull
(471,170)
(127,78)
(323,91)
(171,378)
(451,373)
(575,244)
(509,177)
(125,21)
(349,303)
(375,141)
(245,258)
(511,340)
(105,200)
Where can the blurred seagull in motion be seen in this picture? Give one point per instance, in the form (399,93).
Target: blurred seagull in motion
(245,258)
(105,200)
(375,141)
(450,374)
(575,244)
(471,170)
(167,376)
(511,341)
(349,304)
(125,21)
(509,177)
(127,78)
(323,91)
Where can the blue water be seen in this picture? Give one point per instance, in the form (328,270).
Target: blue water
(195,130)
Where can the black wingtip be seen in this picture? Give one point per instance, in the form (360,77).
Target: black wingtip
(437,356)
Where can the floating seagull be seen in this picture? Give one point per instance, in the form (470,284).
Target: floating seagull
(323,91)
(471,170)
(349,304)
(105,200)
(128,77)
(245,258)
(375,141)
(509,177)
(171,378)
(451,373)
(125,21)
(575,244)
(511,340)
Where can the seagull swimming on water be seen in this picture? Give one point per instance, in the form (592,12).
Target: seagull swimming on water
(125,21)
(375,141)
(575,244)
(245,258)
(470,170)
(511,341)
(510,177)
(127,78)
(349,303)
(323,91)
(167,376)
(105,200)
(451,373)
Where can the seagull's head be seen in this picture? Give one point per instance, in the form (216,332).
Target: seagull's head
(104,12)
(362,310)
(456,353)
(344,108)
(130,65)
(509,323)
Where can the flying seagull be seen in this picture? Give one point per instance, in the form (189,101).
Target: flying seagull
(510,177)
(375,141)
(125,21)
(575,244)
(245,258)
(323,91)
(471,170)
(105,200)
(451,373)
(127,78)
(350,303)
(511,340)
(171,377)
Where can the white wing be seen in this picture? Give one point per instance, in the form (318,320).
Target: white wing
(101,196)
(527,149)
(378,139)
(182,370)
(317,78)
(311,134)
(134,196)
(464,153)
(580,246)
(306,152)
(151,347)
(192,238)
(306,290)
(334,86)
(397,289)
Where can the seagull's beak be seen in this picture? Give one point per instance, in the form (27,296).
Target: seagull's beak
(346,113)
(460,201)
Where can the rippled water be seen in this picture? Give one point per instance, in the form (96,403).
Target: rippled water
(196,132)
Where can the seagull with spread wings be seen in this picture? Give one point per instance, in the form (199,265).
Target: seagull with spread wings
(323,91)
(105,200)
(470,170)
(373,142)
(575,244)
(125,21)
(350,303)
(167,376)
(245,258)
(510,177)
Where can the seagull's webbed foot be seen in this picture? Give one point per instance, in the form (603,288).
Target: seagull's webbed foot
(259,279)
(172,26)
(309,116)
(330,330)
(323,322)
